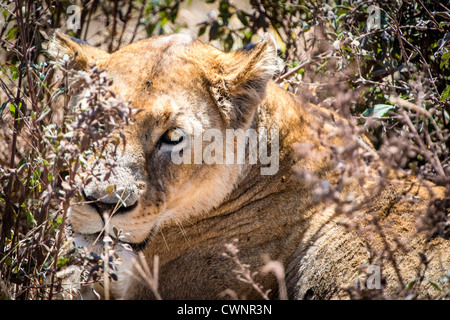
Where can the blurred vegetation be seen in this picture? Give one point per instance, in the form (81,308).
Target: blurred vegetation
(382,63)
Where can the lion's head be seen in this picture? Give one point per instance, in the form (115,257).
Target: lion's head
(182,88)
(183,186)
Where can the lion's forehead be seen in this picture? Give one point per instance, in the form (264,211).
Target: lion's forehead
(179,111)
(154,54)
(152,66)
(166,97)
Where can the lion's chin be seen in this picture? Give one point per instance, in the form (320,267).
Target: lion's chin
(91,242)
(94,243)
(124,259)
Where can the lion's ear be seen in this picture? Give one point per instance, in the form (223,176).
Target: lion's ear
(85,55)
(242,77)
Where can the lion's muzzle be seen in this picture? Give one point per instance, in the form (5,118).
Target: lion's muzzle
(111,200)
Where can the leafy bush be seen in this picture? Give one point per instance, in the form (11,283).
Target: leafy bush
(382,63)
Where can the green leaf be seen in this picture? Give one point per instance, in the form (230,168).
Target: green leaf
(4,104)
(163,19)
(242,17)
(411,284)
(445,94)
(110,189)
(13,68)
(30,219)
(434,284)
(445,57)
(228,42)
(62,262)
(378,110)
(12,33)
(14,71)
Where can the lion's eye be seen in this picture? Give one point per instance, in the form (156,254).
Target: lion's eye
(172,136)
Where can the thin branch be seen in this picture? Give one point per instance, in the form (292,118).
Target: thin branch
(292,71)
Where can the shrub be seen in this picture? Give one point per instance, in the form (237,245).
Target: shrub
(381,63)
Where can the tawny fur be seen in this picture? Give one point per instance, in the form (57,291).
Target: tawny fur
(192,211)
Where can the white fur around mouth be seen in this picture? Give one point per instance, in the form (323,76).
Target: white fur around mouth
(85,220)
(125,259)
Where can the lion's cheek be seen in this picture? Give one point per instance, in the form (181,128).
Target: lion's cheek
(134,227)
(84,219)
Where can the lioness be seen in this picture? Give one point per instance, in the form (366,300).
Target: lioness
(186,212)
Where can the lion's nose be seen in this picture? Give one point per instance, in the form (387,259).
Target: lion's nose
(106,206)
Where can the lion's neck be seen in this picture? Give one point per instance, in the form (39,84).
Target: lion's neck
(277,112)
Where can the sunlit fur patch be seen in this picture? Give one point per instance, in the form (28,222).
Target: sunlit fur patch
(85,219)
(124,261)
